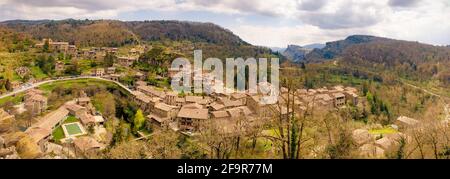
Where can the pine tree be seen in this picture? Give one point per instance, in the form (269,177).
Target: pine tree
(294,138)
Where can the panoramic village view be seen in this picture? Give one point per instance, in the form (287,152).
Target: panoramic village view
(76,88)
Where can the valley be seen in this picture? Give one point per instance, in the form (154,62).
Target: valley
(101,89)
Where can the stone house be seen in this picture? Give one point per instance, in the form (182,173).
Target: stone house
(190,117)
(162,114)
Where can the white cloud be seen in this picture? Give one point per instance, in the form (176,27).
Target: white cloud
(301,35)
(312,20)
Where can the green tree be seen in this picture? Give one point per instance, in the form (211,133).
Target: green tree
(109,60)
(123,132)
(294,138)
(9,74)
(8,85)
(182,94)
(309,84)
(343,147)
(73,68)
(400,154)
(61,57)
(302,65)
(46,64)
(139,120)
(365,88)
(46,47)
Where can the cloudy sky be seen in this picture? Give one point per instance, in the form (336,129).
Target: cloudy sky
(273,23)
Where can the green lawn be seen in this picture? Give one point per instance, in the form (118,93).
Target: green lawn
(15,99)
(58,134)
(387,130)
(85,82)
(71,119)
(73,129)
(37,73)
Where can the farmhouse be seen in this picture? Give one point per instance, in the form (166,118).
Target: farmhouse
(57,46)
(87,145)
(35,102)
(126,61)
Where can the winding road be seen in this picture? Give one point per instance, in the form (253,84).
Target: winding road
(62,79)
(446,106)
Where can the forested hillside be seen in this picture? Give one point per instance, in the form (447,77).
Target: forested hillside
(11,41)
(412,60)
(80,33)
(214,40)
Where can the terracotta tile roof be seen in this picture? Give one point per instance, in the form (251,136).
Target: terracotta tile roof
(53,118)
(229,103)
(193,113)
(86,143)
(164,107)
(157,118)
(149,90)
(245,110)
(38,98)
(407,120)
(85,117)
(84,99)
(193,99)
(37,133)
(74,107)
(324,97)
(220,114)
(217,106)
(338,95)
(238,95)
(234,112)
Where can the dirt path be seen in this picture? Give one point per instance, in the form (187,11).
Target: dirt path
(443,98)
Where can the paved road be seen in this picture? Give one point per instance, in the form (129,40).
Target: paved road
(63,79)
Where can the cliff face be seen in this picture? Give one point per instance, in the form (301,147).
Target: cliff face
(296,53)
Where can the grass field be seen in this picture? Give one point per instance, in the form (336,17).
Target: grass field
(71,119)
(14,99)
(387,130)
(58,134)
(37,73)
(73,129)
(85,82)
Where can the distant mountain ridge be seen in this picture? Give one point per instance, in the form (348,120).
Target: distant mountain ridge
(387,48)
(297,53)
(215,41)
(315,45)
(336,48)
(116,33)
(380,54)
